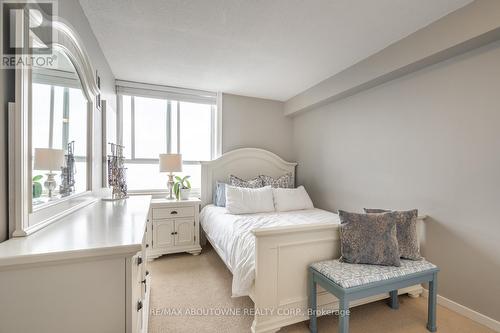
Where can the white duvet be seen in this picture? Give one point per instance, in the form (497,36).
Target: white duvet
(233,239)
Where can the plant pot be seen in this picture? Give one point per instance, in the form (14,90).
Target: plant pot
(184,193)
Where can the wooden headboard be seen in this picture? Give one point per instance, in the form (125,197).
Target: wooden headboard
(245,163)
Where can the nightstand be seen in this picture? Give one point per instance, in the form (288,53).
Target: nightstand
(174,227)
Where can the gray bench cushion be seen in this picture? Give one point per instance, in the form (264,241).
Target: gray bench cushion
(352,275)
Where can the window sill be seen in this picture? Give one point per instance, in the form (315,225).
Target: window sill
(196,193)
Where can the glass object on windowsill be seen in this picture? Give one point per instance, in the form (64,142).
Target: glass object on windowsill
(37,186)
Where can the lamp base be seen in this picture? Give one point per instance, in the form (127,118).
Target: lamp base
(170,186)
(50,184)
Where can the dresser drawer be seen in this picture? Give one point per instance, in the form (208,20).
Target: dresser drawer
(173,212)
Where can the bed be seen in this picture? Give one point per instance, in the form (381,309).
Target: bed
(269,253)
(232,237)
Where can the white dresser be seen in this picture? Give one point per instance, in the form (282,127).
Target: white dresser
(174,226)
(84,273)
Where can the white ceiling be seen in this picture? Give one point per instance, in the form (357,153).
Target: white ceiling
(263,48)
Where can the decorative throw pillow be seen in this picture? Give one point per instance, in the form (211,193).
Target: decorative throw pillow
(241,200)
(251,183)
(406,226)
(369,238)
(285,181)
(286,199)
(219,197)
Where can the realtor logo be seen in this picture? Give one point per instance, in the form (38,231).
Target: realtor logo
(27,33)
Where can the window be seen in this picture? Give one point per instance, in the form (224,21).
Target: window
(59,116)
(165,123)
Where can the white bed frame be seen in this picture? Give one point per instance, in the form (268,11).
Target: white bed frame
(282,254)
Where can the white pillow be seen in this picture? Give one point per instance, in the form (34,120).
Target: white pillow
(240,200)
(286,199)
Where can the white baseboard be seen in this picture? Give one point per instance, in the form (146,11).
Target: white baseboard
(466,312)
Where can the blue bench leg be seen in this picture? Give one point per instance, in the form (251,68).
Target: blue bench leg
(393,301)
(343,316)
(313,324)
(431,311)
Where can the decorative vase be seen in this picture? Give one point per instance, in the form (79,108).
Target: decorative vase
(184,193)
(37,190)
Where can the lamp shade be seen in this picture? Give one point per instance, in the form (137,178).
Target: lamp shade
(48,159)
(170,162)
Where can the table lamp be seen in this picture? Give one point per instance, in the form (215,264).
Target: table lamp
(49,159)
(170,163)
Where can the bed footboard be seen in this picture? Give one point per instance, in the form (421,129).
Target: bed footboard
(281,260)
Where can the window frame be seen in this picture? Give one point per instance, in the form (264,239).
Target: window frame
(169,94)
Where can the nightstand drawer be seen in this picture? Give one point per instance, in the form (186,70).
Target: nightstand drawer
(173,212)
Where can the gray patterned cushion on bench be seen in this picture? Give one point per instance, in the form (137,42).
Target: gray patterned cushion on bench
(406,226)
(351,275)
(369,238)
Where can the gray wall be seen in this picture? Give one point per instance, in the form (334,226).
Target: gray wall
(72,13)
(255,122)
(429,140)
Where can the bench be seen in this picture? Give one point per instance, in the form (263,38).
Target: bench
(350,282)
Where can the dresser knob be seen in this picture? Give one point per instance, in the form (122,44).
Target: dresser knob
(139,261)
(174,212)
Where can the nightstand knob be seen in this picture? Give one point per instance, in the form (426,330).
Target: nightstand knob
(139,261)
(139,305)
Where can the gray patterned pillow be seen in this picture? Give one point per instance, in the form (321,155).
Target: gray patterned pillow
(409,248)
(369,238)
(285,181)
(251,183)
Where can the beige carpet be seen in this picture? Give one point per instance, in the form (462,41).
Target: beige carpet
(183,283)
